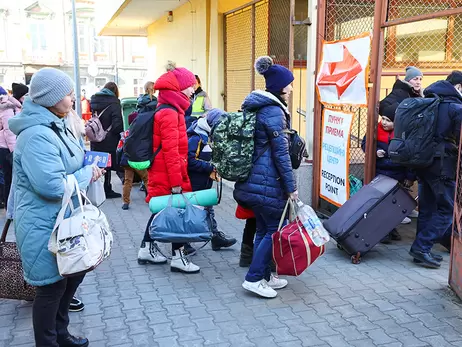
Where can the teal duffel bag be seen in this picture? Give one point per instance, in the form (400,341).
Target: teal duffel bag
(205,198)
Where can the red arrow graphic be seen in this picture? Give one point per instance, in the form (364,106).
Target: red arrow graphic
(340,74)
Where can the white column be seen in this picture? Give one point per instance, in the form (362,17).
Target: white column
(310,74)
(215,79)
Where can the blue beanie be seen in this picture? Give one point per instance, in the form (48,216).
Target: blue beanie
(3,91)
(277,77)
(214,115)
(49,86)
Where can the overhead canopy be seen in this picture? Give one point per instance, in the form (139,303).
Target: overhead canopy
(131,17)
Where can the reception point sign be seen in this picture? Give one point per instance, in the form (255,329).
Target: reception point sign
(343,72)
(335,156)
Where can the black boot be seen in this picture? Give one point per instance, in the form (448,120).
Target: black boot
(386,240)
(246,255)
(395,235)
(112,195)
(72,341)
(220,240)
(425,259)
(437,257)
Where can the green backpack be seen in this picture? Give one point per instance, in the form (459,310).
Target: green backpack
(233,145)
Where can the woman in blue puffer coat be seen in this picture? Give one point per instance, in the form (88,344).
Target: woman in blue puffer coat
(271,181)
(46,154)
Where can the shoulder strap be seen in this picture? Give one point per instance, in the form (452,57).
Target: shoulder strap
(164,106)
(161,107)
(55,129)
(98,115)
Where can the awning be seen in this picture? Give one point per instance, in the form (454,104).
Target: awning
(131,17)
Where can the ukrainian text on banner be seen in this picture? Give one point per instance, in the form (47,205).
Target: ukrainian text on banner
(335,156)
(344,71)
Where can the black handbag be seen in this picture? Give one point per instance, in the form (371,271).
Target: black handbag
(297,148)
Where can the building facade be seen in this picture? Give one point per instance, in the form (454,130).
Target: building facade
(35,34)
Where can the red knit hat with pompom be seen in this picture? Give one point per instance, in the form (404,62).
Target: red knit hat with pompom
(184,77)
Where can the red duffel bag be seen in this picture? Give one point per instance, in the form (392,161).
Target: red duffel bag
(293,249)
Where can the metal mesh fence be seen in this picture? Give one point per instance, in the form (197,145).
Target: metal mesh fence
(434,45)
(261,37)
(259,29)
(238,57)
(409,8)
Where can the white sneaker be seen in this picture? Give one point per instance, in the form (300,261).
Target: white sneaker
(181,263)
(261,288)
(414,214)
(150,255)
(277,283)
(406,220)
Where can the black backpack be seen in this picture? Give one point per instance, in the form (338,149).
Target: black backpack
(415,145)
(138,144)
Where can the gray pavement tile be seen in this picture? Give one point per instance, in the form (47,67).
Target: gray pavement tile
(384,301)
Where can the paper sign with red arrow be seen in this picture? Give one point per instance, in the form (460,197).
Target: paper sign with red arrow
(340,74)
(342,77)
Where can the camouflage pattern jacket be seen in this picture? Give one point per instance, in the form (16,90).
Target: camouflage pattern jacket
(271,178)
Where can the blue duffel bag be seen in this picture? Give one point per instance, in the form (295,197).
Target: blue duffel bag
(181,225)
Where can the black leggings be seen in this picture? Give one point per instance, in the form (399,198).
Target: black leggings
(50,311)
(250,230)
(6,161)
(147,238)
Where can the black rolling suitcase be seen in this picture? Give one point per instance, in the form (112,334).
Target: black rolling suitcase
(370,214)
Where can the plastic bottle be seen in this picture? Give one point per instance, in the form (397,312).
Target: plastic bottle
(312,224)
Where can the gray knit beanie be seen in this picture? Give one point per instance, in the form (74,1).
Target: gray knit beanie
(49,86)
(412,72)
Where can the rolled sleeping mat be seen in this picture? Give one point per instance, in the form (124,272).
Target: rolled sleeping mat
(205,198)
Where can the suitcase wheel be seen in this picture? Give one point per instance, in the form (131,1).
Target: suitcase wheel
(356,259)
(339,247)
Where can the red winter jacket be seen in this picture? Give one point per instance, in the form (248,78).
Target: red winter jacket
(170,167)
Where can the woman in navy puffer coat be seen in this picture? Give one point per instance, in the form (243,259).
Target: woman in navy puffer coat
(271,181)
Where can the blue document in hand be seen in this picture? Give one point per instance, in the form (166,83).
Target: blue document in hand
(101,158)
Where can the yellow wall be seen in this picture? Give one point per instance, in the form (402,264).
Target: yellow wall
(299,101)
(192,40)
(183,41)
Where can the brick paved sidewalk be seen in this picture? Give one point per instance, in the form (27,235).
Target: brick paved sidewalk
(384,301)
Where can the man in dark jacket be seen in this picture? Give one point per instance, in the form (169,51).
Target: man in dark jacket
(201,171)
(437,182)
(107,105)
(410,87)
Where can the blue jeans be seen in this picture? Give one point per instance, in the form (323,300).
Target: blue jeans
(260,268)
(436,206)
